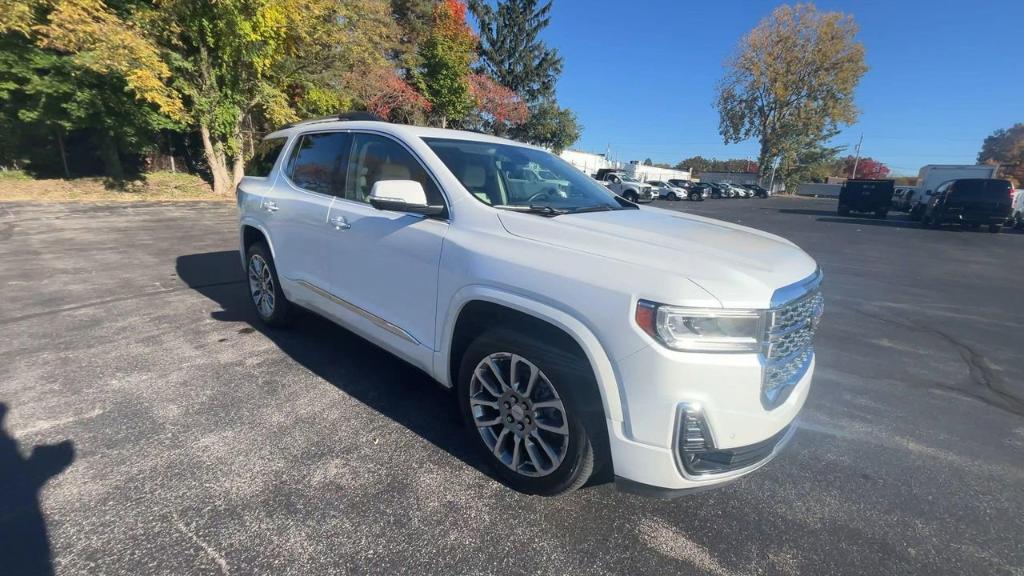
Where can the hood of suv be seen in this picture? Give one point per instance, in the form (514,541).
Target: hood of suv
(739,266)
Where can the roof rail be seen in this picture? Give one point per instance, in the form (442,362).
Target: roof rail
(344,116)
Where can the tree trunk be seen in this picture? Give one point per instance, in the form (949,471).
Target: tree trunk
(765,160)
(63,154)
(111,159)
(223,182)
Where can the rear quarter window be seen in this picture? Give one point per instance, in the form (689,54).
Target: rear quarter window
(262,162)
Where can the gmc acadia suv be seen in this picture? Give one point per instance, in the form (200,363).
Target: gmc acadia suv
(579,332)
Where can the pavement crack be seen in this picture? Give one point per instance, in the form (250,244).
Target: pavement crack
(207,549)
(978,369)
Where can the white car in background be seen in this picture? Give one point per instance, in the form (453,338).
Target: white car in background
(665,191)
(1017,210)
(578,332)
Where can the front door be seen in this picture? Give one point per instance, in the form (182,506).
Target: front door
(384,265)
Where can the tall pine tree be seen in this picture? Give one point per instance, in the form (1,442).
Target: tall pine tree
(512,53)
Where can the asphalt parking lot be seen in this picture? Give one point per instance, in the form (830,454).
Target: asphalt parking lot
(152,426)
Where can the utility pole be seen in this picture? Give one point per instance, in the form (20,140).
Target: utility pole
(856,159)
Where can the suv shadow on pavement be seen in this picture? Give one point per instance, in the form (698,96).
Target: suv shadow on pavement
(355,366)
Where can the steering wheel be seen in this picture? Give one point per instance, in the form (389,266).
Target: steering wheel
(538,196)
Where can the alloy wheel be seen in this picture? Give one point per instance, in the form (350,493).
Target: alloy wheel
(519,414)
(261,285)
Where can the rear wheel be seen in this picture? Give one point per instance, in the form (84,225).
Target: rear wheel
(995,228)
(264,288)
(695,196)
(524,402)
(672,196)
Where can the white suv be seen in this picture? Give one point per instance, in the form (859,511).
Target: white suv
(579,332)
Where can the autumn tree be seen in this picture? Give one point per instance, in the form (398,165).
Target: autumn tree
(867,168)
(1006,148)
(446,56)
(214,64)
(791,83)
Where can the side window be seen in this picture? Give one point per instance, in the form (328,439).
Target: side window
(316,161)
(376,158)
(262,162)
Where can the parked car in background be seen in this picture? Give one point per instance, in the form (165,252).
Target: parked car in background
(680,183)
(570,346)
(930,176)
(971,202)
(665,191)
(899,196)
(704,190)
(757,191)
(718,190)
(737,190)
(866,197)
(625,185)
(1017,213)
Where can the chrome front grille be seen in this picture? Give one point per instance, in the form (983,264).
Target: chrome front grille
(789,344)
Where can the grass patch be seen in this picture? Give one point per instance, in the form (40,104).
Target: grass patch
(152,187)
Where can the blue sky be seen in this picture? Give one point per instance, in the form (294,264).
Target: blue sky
(641,75)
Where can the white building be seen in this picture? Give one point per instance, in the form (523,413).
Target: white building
(587,162)
(590,163)
(644,173)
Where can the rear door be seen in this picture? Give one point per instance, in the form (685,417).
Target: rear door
(297,209)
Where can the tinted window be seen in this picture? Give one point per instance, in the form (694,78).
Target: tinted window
(983,190)
(315,161)
(262,162)
(376,158)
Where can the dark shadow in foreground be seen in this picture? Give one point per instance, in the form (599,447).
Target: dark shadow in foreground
(362,370)
(24,543)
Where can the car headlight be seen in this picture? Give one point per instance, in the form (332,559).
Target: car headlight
(702,329)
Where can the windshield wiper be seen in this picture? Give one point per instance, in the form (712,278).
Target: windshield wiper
(598,208)
(531,209)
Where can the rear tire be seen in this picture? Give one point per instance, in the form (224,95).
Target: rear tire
(994,228)
(672,196)
(695,196)
(264,287)
(536,423)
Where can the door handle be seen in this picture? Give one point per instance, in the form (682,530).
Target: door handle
(270,206)
(340,223)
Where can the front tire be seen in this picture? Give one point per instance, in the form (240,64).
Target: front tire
(524,403)
(632,197)
(264,287)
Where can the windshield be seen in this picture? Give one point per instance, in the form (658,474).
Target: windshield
(500,175)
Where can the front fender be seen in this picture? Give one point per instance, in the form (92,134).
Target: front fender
(604,371)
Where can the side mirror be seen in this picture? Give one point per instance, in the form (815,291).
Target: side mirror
(402,196)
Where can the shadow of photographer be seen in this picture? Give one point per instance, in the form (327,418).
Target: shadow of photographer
(24,542)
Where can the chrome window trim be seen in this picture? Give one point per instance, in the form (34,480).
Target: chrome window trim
(377,320)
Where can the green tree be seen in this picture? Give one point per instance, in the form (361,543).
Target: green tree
(1006,148)
(215,64)
(447,54)
(511,51)
(791,83)
(550,126)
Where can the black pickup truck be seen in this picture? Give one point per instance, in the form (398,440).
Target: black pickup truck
(866,196)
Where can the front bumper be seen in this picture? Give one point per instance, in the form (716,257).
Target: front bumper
(662,386)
